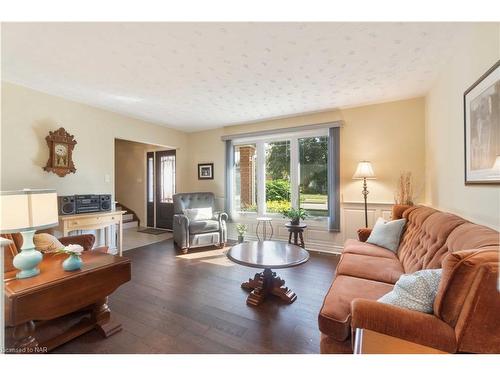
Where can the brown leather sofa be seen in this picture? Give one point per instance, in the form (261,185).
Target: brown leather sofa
(84,240)
(466,316)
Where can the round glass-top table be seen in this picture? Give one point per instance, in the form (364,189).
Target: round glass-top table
(267,255)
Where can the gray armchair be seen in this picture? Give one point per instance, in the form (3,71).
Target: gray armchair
(189,234)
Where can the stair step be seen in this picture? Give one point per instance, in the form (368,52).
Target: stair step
(128,217)
(130,224)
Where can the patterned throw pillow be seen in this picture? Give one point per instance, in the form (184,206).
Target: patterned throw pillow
(45,242)
(194,214)
(415,291)
(387,234)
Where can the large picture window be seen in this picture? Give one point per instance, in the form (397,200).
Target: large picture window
(273,173)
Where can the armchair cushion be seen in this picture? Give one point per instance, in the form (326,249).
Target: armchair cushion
(84,240)
(200,213)
(203,226)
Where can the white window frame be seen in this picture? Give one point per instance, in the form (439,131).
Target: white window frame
(260,142)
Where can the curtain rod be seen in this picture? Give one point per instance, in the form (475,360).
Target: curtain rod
(323,125)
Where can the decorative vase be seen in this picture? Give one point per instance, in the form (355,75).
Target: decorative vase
(72,263)
(295,221)
(240,239)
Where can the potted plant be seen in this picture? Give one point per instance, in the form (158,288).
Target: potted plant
(241,229)
(73,262)
(295,215)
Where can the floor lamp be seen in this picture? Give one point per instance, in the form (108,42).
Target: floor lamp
(364,172)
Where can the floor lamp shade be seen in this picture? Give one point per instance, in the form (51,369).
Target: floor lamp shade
(26,211)
(364,171)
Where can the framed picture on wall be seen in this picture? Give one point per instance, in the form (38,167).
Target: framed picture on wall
(482,129)
(206,171)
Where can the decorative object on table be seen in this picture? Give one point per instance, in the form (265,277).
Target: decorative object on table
(61,145)
(206,171)
(46,243)
(26,211)
(295,215)
(404,192)
(482,129)
(297,230)
(364,172)
(241,229)
(387,234)
(74,261)
(267,255)
(262,233)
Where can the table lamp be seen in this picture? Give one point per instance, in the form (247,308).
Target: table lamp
(364,172)
(26,211)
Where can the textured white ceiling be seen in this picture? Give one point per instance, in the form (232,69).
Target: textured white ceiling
(194,76)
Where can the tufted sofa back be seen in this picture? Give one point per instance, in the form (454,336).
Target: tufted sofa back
(424,242)
(193,200)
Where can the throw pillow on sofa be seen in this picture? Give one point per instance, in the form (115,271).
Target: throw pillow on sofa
(194,214)
(45,242)
(387,233)
(415,291)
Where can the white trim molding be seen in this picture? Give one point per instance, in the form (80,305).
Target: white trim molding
(317,237)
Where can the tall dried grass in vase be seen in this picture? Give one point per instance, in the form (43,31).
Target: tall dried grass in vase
(404,192)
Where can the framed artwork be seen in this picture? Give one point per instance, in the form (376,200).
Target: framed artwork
(482,129)
(206,171)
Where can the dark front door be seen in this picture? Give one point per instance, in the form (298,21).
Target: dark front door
(165,188)
(150,194)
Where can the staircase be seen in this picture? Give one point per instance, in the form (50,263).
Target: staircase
(130,218)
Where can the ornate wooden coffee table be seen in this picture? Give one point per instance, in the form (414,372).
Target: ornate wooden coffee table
(267,255)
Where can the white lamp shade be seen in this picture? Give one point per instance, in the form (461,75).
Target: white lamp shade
(28,210)
(364,170)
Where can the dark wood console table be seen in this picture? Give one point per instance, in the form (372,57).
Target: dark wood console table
(55,293)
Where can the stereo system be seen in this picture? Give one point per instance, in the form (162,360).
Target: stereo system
(80,204)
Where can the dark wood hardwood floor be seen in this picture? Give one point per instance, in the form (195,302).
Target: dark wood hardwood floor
(193,303)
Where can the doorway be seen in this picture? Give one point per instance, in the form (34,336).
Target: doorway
(160,167)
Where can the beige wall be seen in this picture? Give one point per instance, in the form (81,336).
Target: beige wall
(130,175)
(390,135)
(27,118)
(445,187)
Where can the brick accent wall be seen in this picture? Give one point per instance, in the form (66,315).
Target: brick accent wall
(247,176)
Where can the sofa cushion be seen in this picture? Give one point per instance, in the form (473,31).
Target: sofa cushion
(423,244)
(415,291)
(335,315)
(387,234)
(45,242)
(357,247)
(381,269)
(203,226)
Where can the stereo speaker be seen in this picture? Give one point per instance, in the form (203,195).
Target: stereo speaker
(105,202)
(66,205)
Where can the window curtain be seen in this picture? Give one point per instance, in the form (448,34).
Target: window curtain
(228,197)
(334,179)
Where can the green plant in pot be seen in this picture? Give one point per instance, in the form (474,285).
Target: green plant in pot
(241,229)
(295,215)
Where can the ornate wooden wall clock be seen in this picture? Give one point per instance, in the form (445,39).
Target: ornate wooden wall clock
(61,145)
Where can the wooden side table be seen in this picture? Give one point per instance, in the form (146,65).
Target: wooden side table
(55,293)
(92,221)
(298,234)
